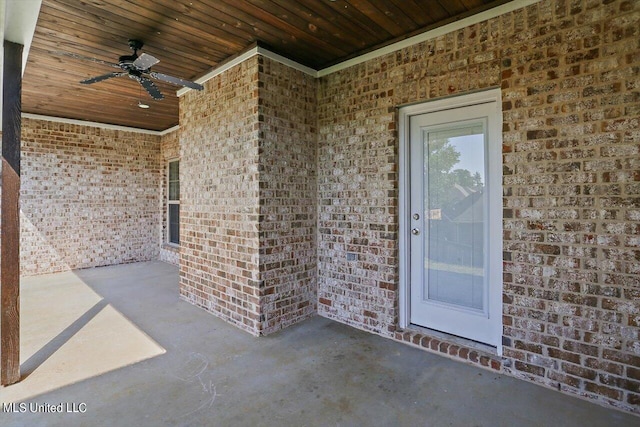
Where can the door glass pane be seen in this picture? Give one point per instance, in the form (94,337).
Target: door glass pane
(454,183)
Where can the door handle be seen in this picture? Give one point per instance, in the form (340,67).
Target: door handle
(415,231)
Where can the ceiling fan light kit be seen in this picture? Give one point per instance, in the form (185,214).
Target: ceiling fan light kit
(138,68)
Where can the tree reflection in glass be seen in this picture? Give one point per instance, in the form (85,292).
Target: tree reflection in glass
(454,212)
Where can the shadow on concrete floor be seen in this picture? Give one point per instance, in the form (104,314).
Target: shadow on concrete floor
(133,354)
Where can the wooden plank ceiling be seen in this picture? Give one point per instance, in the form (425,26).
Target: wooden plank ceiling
(190,37)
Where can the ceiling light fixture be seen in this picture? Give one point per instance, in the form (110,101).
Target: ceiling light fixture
(140,103)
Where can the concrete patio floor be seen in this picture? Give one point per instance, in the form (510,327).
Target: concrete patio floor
(116,347)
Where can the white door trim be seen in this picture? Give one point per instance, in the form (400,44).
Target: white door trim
(405,114)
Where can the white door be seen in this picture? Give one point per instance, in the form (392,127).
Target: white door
(455,221)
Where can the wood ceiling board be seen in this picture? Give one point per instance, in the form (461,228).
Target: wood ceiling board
(118,31)
(179,19)
(370,11)
(334,31)
(424,13)
(209,16)
(368,29)
(320,14)
(273,37)
(452,7)
(395,14)
(287,30)
(135,117)
(472,4)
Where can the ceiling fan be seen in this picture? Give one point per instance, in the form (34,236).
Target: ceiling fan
(137,68)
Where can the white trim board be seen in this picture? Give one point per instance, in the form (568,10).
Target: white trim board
(286,61)
(17,24)
(99,125)
(19,20)
(221,69)
(257,50)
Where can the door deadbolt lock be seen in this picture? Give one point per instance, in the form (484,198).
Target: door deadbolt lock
(415,231)
(416,216)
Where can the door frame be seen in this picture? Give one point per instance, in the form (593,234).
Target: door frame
(404,179)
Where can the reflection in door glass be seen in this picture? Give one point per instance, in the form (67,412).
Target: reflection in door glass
(454,214)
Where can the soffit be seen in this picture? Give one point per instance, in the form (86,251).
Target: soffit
(192,37)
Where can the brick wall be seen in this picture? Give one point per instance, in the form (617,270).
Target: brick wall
(219,197)
(169,150)
(569,78)
(570,74)
(287,163)
(88,197)
(248,203)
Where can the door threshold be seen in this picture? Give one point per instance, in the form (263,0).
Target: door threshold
(487,349)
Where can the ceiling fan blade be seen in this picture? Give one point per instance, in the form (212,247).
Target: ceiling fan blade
(145,61)
(101,78)
(85,58)
(150,87)
(176,80)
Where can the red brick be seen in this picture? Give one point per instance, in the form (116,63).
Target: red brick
(530,369)
(425,342)
(604,391)
(565,379)
(579,371)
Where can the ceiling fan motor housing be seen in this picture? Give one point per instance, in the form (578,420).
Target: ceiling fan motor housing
(126,61)
(135,45)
